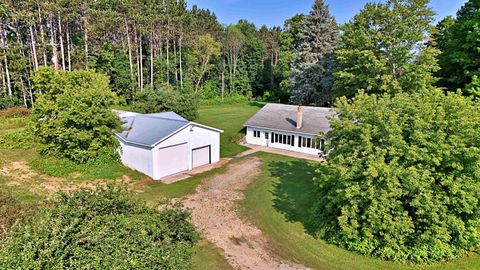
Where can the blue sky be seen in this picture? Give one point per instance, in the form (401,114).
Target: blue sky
(274,12)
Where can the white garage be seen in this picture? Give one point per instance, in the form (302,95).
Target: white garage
(163,144)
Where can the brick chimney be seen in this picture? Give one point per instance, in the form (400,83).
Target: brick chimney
(299,116)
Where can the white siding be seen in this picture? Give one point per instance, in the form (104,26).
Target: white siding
(137,158)
(264,142)
(195,137)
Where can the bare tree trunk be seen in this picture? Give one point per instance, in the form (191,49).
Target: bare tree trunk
(42,36)
(137,56)
(69,50)
(141,63)
(180,61)
(4,47)
(151,60)
(53,45)
(85,39)
(223,78)
(62,50)
(34,49)
(168,60)
(129,45)
(175,59)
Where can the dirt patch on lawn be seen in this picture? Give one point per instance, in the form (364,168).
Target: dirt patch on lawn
(214,213)
(20,174)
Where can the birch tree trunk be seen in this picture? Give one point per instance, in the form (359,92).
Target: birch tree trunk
(53,45)
(85,39)
(223,78)
(34,49)
(42,37)
(4,47)
(151,60)
(168,60)
(129,45)
(175,60)
(180,61)
(62,49)
(141,63)
(69,50)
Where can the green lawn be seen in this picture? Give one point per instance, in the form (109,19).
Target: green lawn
(230,118)
(278,203)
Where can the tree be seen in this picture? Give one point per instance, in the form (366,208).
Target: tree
(102,228)
(185,104)
(205,48)
(402,178)
(234,41)
(311,76)
(72,117)
(459,41)
(384,49)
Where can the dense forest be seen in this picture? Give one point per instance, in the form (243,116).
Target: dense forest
(143,45)
(164,45)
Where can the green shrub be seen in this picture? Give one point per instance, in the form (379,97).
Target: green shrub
(17,139)
(72,117)
(105,228)
(184,104)
(229,99)
(7,102)
(402,179)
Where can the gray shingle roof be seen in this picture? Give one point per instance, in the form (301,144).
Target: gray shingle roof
(283,117)
(149,129)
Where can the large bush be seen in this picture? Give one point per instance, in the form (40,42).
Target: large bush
(104,228)
(402,180)
(72,117)
(182,103)
(7,102)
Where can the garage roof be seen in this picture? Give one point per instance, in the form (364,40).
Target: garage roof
(283,117)
(149,129)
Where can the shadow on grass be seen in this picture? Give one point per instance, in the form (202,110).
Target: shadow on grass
(256,104)
(293,191)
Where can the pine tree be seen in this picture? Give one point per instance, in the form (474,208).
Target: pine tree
(311,77)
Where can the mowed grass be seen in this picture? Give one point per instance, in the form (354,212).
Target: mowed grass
(230,118)
(279,203)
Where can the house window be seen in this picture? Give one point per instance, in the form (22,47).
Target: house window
(256,134)
(273,137)
(292,142)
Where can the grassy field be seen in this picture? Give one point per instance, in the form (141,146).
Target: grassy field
(230,118)
(279,202)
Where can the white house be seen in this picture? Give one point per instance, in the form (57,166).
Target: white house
(163,144)
(288,127)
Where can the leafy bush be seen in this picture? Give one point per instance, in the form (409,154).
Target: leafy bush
(230,99)
(72,117)
(183,103)
(402,180)
(104,228)
(15,112)
(7,102)
(18,139)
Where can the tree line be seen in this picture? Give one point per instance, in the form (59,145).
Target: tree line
(140,45)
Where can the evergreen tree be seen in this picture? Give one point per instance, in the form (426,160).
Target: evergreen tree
(311,76)
(459,42)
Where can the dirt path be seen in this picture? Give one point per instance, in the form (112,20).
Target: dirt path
(215,214)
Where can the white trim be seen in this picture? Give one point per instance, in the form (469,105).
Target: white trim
(283,130)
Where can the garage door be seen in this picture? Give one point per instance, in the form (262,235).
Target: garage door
(201,156)
(173,159)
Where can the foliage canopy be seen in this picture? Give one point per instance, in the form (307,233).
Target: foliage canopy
(101,229)
(72,117)
(402,180)
(384,49)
